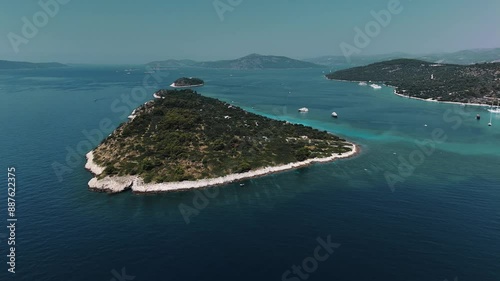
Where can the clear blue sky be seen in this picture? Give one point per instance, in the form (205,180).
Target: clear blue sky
(138,31)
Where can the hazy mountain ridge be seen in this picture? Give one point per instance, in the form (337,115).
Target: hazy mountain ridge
(4,64)
(253,61)
(173,63)
(464,57)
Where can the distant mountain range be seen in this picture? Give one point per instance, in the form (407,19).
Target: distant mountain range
(253,61)
(173,63)
(465,57)
(256,61)
(462,57)
(4,64)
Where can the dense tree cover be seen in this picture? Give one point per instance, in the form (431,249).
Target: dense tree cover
(185,136)
(476,83)
(184,82)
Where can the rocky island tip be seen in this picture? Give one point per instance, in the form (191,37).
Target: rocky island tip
(182,140)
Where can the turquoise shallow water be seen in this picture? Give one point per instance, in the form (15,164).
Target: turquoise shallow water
(440,220)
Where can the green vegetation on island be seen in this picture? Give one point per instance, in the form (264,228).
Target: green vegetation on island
(187,82)
(478,83)
(184,136)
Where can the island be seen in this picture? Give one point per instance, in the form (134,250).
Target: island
(4,64)
(473,84)
(187,83)
(253,61)
(183,140)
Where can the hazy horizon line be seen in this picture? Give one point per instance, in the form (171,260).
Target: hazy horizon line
(262,54)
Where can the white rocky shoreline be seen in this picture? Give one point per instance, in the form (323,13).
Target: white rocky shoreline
(137,185)
(415,98)
(433,100)
(173,85)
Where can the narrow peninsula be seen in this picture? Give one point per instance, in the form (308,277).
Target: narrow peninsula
(472,84)
(183,140)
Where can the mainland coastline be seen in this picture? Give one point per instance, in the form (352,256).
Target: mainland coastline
(475,85)
(396,92)
(433,100)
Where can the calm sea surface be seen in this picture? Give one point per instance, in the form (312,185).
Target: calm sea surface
(407,208)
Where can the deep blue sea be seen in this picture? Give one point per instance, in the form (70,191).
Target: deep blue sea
(420,203)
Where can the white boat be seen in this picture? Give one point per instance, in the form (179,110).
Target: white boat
(491,117)
(493,110)
(363,84)
(375,86)
(335,115)
(303,110)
